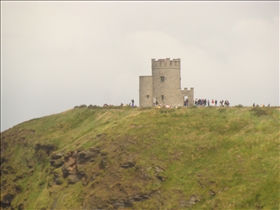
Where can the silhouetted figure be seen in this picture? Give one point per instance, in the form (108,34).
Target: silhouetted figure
(227,103)
(132,102)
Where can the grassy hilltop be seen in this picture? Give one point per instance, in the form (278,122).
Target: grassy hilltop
(149,158)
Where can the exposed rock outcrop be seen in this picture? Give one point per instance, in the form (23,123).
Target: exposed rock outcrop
(96,202)
(7,200)
(72,165)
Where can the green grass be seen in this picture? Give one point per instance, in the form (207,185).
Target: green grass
(232,151)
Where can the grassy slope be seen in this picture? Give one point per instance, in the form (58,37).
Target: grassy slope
(226,157)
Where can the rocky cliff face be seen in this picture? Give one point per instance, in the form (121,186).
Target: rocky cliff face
(99,172)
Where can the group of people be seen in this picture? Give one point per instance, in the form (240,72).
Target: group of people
(262,105)
(130,104)
(204,102)
(197,102)
(163,106)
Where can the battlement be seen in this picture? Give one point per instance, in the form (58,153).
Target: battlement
(188,89)
(166,63)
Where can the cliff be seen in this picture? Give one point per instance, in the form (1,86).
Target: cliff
(133,158)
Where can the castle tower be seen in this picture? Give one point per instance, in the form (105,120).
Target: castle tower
(164,86)
(166,81)
(145,91)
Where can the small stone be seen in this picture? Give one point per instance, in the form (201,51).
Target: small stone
(128,165)
(56,156)
(212,193)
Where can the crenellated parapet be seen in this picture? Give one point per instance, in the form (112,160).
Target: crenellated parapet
(187,90)
(166,63)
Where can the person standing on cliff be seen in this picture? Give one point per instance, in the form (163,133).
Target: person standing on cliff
(132,102)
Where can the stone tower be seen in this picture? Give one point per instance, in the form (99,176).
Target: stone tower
(164,86)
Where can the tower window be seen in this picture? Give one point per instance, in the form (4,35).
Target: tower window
(148,96)
(162,97)
(162,78)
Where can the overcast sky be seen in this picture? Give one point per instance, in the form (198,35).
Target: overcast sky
(56,55)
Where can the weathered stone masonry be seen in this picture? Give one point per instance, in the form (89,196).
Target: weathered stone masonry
(164,86)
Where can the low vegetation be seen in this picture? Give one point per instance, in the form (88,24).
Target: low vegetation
(143,158)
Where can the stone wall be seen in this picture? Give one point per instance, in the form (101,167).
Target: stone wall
(146,91)
(190,94)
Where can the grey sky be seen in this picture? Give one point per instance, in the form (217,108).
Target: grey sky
(56,55)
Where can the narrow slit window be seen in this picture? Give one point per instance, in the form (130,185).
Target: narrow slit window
(162,97)
(162,78)
(148,96)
